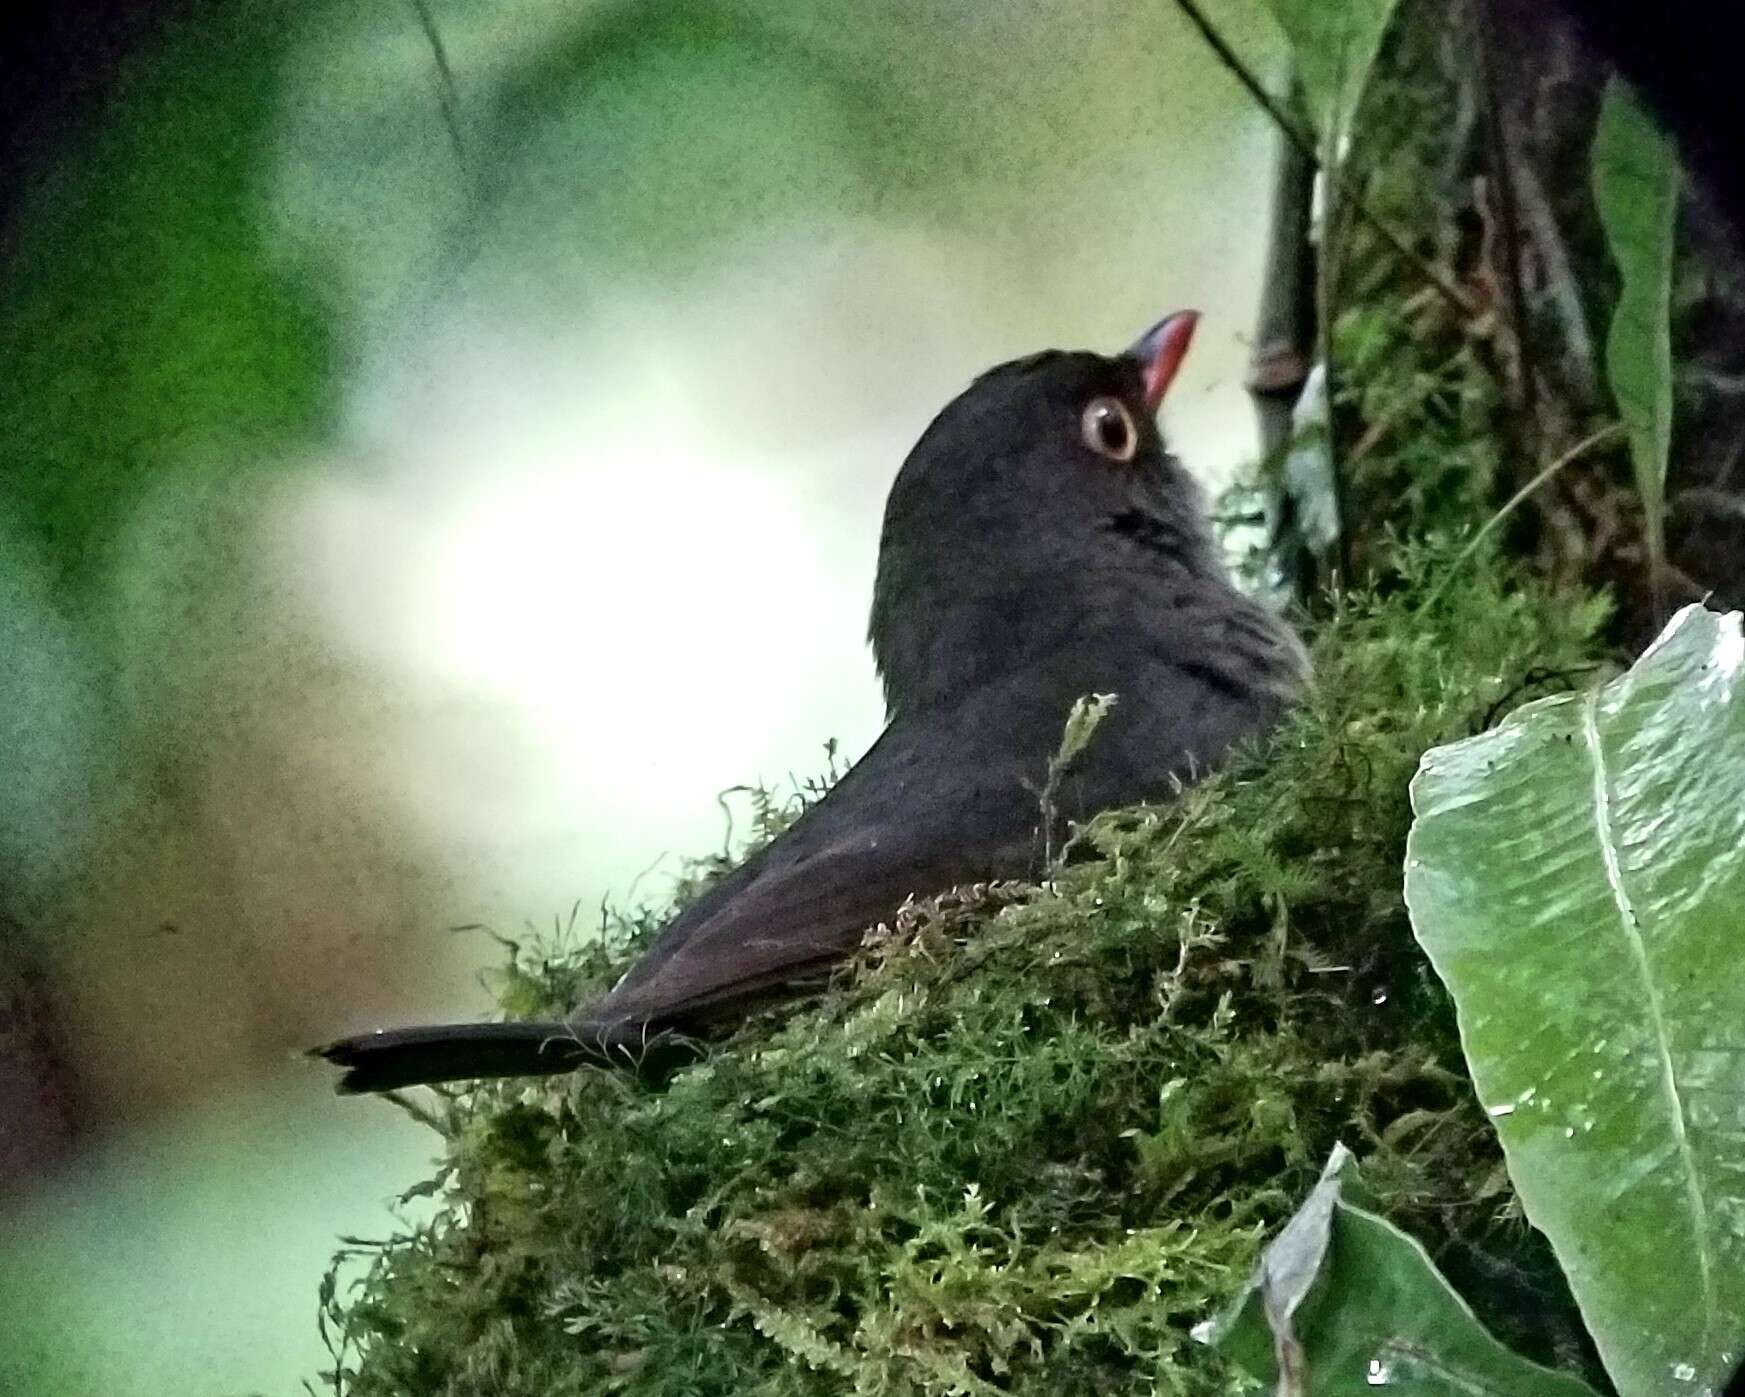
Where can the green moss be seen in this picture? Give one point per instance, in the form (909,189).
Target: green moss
(1036,1133)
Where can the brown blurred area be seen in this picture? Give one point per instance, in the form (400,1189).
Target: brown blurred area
(256,902)
(41,1101)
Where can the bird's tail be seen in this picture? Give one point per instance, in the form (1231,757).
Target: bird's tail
(407,1057)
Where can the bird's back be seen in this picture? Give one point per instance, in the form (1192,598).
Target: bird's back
(950,794)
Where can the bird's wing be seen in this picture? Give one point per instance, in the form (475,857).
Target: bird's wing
(945,797)
(933,804)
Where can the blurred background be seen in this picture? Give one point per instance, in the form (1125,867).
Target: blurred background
(444,448)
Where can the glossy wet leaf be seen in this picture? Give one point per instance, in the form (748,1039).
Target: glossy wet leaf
(1636,187)
(1345,1302)
(1577,876)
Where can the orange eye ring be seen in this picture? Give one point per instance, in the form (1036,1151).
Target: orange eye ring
(1108,429)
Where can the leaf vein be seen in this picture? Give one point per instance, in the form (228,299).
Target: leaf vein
(1632,927)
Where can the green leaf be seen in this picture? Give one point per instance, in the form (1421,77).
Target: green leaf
(1636,183)
(1334,47)
(1577,876)
(1345,1302)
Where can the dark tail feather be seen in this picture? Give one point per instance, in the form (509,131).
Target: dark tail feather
(407,1057)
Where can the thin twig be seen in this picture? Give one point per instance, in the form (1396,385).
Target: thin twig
(1452,293)
(417,1111)
(447,94)
(1256,89)
(1581,448)
(1532,679)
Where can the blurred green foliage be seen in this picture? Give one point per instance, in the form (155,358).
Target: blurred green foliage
(211,278)
(147,329)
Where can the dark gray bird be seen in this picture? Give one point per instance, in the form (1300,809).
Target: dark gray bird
(1039,544)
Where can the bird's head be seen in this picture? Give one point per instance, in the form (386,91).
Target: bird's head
(1026,502)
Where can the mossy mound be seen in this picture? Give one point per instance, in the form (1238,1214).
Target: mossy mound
(1037,1133)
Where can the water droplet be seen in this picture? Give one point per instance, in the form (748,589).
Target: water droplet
(1507,1108)
(1568,1132)
(1377,1374)
(1201,1333)
(1684,1372)
(1378,995)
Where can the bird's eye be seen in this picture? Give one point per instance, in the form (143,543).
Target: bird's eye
(1108,429)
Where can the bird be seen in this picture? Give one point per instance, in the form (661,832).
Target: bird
(1039,544)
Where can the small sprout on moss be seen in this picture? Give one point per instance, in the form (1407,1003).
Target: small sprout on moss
(1088,712)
